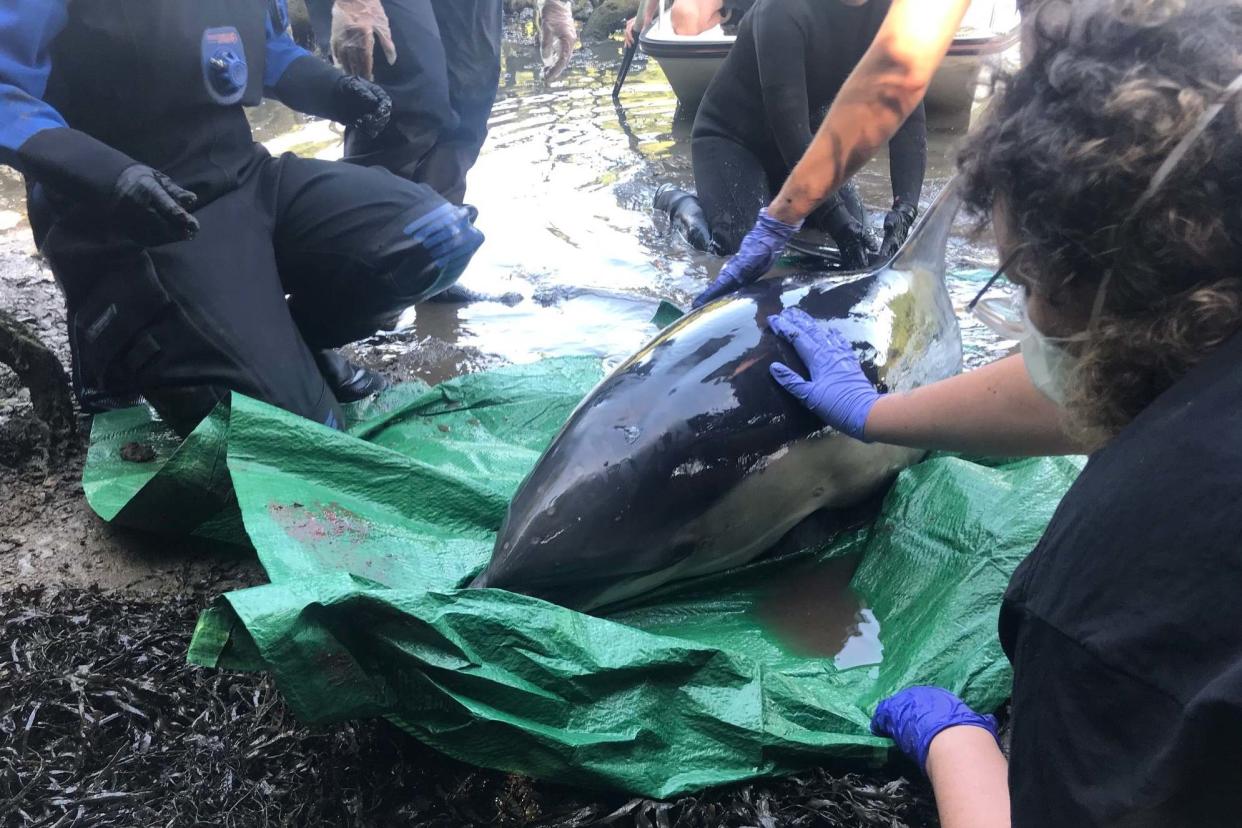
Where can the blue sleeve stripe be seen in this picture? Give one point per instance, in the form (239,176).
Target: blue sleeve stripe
(27,30)
(281,50)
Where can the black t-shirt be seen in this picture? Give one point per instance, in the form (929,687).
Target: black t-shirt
(788,63)
(1124,625)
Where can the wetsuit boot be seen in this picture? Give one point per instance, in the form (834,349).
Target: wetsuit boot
(686,215)
(349,382)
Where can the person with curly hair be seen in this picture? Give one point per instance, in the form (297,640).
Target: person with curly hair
(1111,170)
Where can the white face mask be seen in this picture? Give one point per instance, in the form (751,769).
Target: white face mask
(1049,362)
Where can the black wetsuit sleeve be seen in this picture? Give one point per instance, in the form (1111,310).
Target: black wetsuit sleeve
(780,45)
(907,157)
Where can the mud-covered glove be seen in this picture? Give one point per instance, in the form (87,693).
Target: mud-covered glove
(913,717)
(362,104)
(309,85)
(838,390)
(356,25)
(760,249)
(132,199)
(897,224)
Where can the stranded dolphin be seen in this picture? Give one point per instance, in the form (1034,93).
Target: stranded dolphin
(689,459)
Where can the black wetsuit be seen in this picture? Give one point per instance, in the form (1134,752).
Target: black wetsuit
(442,86)
(764,105)
(293,254)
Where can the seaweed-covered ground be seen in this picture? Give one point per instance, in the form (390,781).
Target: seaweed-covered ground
(102,723)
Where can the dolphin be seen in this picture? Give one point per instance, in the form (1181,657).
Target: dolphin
(689,459)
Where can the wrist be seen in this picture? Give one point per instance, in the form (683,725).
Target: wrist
(312,87)
(778,225)
(73,163)
(784,210)
(876,418)
(963,739)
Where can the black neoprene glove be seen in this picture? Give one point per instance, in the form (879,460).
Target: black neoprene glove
(363,104)
(309,85)
(131,198)
(852,243)
(152,208)
(897,226)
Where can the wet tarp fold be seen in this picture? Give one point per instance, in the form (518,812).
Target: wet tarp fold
(368,535)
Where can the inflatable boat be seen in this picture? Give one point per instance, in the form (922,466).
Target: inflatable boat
(989,29)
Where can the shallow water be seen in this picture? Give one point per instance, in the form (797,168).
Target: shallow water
(564,187)
(813,611)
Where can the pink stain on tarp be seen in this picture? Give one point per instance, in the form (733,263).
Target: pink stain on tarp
(335,536)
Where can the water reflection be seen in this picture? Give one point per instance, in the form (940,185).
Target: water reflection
(564,188)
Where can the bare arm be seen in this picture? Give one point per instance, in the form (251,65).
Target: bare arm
(881,92)
(634,27)
(993,410)
(969,776)
(691,17)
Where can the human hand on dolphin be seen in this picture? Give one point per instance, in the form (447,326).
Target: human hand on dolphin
(760,249)
(837,390)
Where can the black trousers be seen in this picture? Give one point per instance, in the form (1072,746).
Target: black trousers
(303,254)
(734,183)
(443,86)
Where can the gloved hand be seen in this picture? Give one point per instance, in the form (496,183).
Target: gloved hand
(897,226)
(851,239)
(362,104)
(760,249)
(148,207)
(558,35)
(913,717)
(356,25)
(837,391)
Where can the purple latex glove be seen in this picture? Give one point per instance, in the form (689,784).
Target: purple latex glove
(837,391)
(760,249)
(913,717)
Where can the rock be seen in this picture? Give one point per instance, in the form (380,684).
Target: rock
(39,370)
(608,17)
(583,8)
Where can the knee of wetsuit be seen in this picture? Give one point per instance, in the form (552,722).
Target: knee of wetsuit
(441,244)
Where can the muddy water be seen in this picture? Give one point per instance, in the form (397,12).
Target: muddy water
(814,612)
(564,188)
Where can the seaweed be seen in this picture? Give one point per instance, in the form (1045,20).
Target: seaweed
(103,723)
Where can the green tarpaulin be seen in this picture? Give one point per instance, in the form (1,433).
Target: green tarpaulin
(367,536)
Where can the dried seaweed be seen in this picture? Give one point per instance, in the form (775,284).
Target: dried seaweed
(102,723)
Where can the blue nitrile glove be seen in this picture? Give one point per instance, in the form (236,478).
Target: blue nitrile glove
(913,717)
(837,391)
(760,249)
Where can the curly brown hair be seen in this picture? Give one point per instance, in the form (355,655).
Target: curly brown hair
(1072,143)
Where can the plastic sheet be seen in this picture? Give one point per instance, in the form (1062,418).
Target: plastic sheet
(368,535)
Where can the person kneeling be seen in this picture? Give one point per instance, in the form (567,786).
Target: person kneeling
(193,263)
